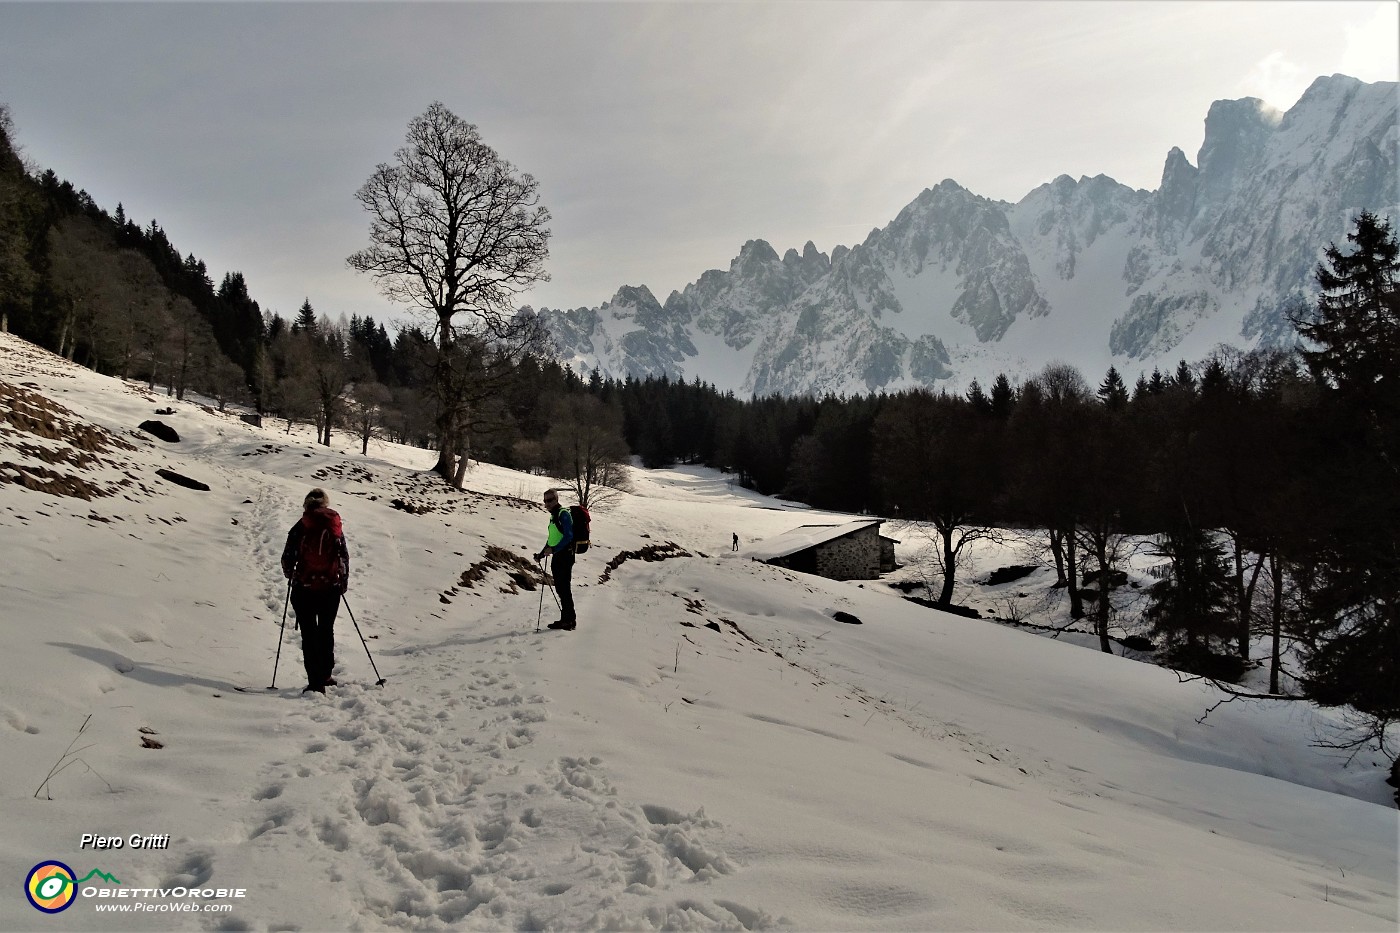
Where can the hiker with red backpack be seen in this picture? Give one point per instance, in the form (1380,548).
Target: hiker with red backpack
(568,535)
(317,563)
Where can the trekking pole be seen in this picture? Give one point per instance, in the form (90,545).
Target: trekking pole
(280,632)
(380,681)
(540,612)
(553,595)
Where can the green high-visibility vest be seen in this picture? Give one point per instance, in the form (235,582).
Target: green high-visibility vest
(555,535)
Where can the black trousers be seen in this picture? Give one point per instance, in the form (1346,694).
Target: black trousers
(316,611)
(562,567)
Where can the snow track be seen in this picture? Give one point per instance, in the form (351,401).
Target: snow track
(440,793)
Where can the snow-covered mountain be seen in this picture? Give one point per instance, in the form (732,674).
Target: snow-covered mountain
(1090,271)
(711,749)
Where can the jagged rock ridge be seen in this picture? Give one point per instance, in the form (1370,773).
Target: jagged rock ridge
(1088,271)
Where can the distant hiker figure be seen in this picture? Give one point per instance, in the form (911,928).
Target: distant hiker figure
(317,562)
(736,542)
(560,544)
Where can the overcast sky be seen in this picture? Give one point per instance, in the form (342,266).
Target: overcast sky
(663,135)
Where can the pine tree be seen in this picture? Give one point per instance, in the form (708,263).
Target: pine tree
(306,319)
(1003,397)
(1190,603)
(1353,588)
(980,403)
(1215,381)
(1158,383)
(1184,379)
(1112,392)
(1355,328)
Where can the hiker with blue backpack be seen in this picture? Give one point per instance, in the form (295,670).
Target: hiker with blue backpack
(568,535)
(317,564)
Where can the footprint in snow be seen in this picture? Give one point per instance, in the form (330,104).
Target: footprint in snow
(270,792)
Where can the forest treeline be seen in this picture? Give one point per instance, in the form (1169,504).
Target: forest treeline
(1268,481)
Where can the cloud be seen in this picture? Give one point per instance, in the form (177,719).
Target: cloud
(1276,80)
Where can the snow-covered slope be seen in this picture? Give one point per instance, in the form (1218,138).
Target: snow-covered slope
(710,749)
(1090,272)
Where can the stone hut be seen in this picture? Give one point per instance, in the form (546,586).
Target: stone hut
(841,551)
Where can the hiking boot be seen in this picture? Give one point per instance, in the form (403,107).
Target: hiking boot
(316,687)
(330,682)
(563,626)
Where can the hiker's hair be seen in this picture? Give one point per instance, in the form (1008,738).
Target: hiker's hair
(315,499)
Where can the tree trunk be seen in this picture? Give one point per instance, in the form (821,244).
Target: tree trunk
(1057,548)
(1104,603)
(63,335)
(1276,572)
(183,375)
(447,443)
(447,416)
(945,598)
(1101,624)
(1076,602)
(1246,607)
(463,446)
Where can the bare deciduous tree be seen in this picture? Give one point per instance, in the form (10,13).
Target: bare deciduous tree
(455,232)
(1048,427)
(191,343)
(134,302)
(933,454)
(585,447)
(367,408)
(154,339)
(224,380)
(330,379)
(75,275)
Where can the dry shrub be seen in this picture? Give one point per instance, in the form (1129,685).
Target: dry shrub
(523,574)
(42,479)
(652,552)
(35,414)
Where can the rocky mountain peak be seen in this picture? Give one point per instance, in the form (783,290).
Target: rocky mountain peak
(1237,133)
(753,254)
(1086,269)
(635,297)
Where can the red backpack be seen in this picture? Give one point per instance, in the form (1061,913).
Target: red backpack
(583,523)
(318,556)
